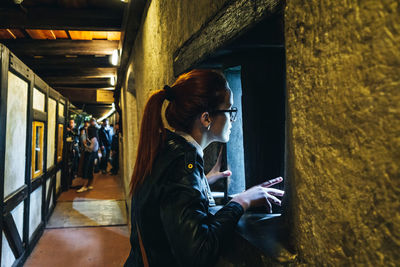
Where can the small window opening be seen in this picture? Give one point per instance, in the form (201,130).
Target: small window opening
(60,142)
(254,66)
(37,149)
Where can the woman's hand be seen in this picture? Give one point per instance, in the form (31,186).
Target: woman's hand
(215,174)
(260,195)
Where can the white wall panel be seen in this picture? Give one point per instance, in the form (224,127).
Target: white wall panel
(38,100)
(51,132)
(17,101)
(58,181)
(60,110)
(35,215)
(47,192)
(18,215)
(7,256)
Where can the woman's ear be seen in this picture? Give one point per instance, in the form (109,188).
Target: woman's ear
(205,119)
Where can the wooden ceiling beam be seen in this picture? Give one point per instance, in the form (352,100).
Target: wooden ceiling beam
(87,86)
(83,96)
(67,62)
(88,19)
(83,88)
(77,72)
(83,82)
(60,47)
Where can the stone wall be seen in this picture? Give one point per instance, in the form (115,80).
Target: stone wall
(343,81)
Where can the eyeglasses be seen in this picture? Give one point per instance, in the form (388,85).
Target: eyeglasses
(232,112)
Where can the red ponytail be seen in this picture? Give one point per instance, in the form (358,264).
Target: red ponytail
(193,93)
(152,135)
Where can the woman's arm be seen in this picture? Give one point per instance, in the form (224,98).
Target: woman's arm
(195,235)
(215,174)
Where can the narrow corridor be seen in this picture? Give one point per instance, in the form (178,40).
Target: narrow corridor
(86,229)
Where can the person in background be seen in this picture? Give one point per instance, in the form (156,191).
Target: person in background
(115,150)
(105,144)
(91,149)
(93,123)
(112,131)
(72,141)
(82,144)
(86,124)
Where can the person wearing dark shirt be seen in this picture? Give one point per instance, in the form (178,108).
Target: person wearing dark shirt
(115,150)
(91,148)
(72,142)
(105,137)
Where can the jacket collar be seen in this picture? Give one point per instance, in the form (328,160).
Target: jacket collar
(191,140)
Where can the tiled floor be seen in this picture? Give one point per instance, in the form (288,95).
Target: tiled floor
(88,213)
(86,229)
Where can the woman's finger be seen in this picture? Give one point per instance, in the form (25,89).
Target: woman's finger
(273,199)
(271,182)
(226,173)
(269,206)
(275,192)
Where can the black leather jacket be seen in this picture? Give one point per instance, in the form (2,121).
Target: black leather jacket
(171,210)
(105,137)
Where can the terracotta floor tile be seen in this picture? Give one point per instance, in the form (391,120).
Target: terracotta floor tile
(105,187)
(88,213)
(92,244)
(86,247)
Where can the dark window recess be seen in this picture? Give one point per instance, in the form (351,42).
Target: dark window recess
(254,65)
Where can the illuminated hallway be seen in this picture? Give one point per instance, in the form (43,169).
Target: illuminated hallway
(86,229)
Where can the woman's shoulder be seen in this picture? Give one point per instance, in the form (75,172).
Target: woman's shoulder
(176,153)
(177,143)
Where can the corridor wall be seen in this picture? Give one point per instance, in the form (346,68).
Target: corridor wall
(342,108)
(32,118)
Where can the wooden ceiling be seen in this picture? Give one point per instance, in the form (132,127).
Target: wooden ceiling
(68,43)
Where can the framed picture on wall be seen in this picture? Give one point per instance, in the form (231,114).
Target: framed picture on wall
(37,148)
(60,142)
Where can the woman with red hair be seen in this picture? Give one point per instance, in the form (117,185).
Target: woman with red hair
(171,222)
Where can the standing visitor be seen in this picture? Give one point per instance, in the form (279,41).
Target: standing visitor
(82,144)
(72,143)
(91,150)
(115,150)
(105,144)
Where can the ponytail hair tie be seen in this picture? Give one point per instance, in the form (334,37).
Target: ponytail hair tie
(169,95)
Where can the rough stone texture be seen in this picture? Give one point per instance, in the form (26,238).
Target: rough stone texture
(225,26)
(343,76)
(343,79)
(130,138)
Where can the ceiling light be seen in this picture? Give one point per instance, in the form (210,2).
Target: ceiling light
(112,81)
(115,57)
(109,113)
